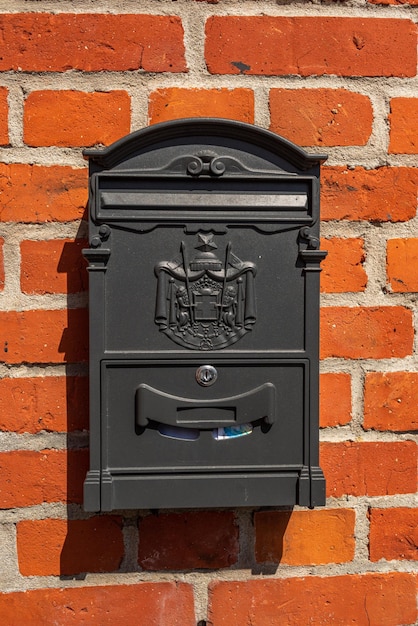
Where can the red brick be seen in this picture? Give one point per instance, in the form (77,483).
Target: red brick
(307,46)
(342,270)
(1,264)
(395,2)
(335,400)
(36,193)
(369,468)
(321,117)
(305,537)
(4,116)
(393,534)
(198,540)
(55,266)
(391,401)
(29,478)
(143,604)
(403,121)
(363,600)
(381,195)
(80,119)
(91,42)
(366,332)
(54,547)
(402,265)
(173,103)
(44,336)
(52,403)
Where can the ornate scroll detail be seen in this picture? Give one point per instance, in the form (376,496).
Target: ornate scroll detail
(305,236)
(205,303)
(96,254)
(206,163)
(102,236)
(309,251)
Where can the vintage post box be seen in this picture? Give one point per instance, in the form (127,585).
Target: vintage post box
(204,269)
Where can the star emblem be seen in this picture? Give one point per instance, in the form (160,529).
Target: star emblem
(205,242)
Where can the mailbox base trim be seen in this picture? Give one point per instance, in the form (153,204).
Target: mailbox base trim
(221,490)
(91,489)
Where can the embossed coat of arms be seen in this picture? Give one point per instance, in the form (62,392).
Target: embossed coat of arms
(205,303)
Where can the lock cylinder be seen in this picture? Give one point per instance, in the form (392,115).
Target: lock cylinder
(206,375)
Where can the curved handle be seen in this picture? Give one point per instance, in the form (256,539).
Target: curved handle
(159,406)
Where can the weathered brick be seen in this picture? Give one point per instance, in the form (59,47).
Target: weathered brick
(202,540)
(369,468)
(335,399)
(173,103)
(364,600)
(37,193)
(395,2)
(321,117)
(403,121)
(53,266)
(44,336)
(393,534)
(387,194)
(80,119)
(91,42)
(366,332)
(307,46)
(304,537)
(147,604)
(4,116)
(29,477)
(391,401)
(1,264)
(55,547)
(402,265)
(52,403)
(342,269)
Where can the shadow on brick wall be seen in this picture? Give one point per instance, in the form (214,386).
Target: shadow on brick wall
(72,264)
(87,543)
(269,539)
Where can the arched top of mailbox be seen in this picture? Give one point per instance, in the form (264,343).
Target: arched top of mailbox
(246,137)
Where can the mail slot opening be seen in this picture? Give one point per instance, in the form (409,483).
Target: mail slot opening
(219,433)
(178,432)
(224,433)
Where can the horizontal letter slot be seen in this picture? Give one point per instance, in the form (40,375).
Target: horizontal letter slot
(205,417)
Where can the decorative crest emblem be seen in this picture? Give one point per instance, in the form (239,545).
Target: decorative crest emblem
(204,303)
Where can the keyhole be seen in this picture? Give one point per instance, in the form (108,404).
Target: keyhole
(206,375)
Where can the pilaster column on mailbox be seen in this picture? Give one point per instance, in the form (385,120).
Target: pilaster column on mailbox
(204,269)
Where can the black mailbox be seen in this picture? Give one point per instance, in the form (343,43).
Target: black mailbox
(204,268)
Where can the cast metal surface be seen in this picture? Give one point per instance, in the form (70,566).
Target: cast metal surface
(205,304)
(204,269)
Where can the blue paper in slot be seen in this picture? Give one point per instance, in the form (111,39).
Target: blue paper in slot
(231,432)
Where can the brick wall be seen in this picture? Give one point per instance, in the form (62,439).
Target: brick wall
(334,76)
